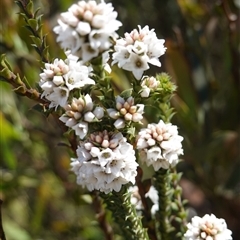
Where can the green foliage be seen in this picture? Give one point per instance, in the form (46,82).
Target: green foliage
(124,213)
(34,25)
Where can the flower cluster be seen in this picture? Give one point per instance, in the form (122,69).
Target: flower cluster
(160,145)
(61,77)
(79,113)
(137,49)
(105,162)
(208,227)
(148,84)
(87,28)
(126,111)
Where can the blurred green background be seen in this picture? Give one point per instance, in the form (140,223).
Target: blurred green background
(40,197)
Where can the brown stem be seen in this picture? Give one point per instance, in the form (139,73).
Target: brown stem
(101,217)
(30,93)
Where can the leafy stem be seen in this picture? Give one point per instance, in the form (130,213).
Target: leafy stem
(125,214)
(34,24)
(162,185)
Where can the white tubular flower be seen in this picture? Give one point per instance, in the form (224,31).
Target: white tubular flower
(58,97)
(208,227)
(126,111)
(148,84)
(78,75)
(79,113)
(105,162)
(78,79)
(160,145)
(87,28)
(137,49)
(81,129)
(61,77)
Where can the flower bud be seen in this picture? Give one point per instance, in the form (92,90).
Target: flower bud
(89,117)
(98,112)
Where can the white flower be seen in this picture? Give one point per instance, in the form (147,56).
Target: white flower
(78,78)
(126,111)
(98,112)
(81,129)
(87,52)
(160,145)
(119,123)
(137,49)
(137,64)
(51,77)
(58,97)
(47,87)
(79,113)
(208,227)
(59,78)
(145,92)
(89,117)
(105,162)
(87,28)
(148,84)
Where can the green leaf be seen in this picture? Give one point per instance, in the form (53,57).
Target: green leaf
(36,40)
(36,49)
(174,206)
(29,7)
(26,82)
(131,131)
(39,29)
(20,90)
(19,3)
(33,23)
(5,74)
(126,93)
(4,62)
(36,13)
(30,29)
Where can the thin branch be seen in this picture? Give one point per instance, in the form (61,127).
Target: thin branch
(21,89)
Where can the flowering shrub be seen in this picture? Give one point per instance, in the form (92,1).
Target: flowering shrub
(109,131)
